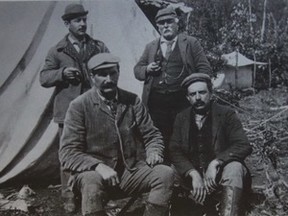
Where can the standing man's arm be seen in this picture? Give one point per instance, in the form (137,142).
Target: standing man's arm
(141,66)
(144,69)
(52,73)
(103,47)
(199,58)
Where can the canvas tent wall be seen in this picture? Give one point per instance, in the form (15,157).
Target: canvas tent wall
(28,136)
(238,71)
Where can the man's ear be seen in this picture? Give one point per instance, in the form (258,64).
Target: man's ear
(92,77)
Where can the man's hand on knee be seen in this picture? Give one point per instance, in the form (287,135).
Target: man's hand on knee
(210,175)
(108,174)
(154,159)
(198,188)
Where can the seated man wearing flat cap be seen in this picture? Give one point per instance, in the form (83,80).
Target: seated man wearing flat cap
(109,143)
(208,147)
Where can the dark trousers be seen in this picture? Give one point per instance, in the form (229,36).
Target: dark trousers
(163,108)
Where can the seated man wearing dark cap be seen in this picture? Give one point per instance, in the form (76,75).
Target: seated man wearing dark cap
(66,69)
(109,144)
(208,147)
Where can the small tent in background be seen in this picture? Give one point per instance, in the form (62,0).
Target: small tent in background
(238,71)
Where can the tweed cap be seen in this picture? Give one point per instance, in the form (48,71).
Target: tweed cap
(103,60)
(73,11)
(165,13)
(194,77)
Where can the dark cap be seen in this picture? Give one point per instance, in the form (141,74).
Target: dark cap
(194,78)
(165,13)
(103,60)
(73,11)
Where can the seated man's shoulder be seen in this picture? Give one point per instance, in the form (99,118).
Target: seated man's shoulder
(83,98)
(127,96)
(225,109)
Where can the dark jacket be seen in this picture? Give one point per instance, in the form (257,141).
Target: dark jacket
(58,58)
(228,138)
(192,55)
(89,135)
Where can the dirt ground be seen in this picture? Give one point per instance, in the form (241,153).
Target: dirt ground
(260,113)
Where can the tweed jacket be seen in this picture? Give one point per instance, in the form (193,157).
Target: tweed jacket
(192,54)
(228,138)
(58,58)
(89,134)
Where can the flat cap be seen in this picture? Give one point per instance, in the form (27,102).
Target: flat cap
(194,77)
(165,13)
(103,60)
(73,11)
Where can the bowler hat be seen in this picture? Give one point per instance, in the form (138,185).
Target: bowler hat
(74,10)
(103,60)
(194,77)
(165,13)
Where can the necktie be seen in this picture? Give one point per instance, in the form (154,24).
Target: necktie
(81,45)
(169,49)
(112,105)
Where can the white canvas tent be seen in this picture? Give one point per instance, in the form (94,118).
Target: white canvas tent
(238,71)
(28,136)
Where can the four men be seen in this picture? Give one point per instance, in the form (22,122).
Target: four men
(66,69)
(209,145)
(163,65)
(109,143)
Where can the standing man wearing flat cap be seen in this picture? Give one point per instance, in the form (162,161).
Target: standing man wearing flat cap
(66,69)
(208,147)
(109,144)
(163,65)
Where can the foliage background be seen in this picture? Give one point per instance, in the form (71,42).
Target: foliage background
(256,28)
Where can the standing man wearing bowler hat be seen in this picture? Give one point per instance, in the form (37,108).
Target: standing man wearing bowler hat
(109,144)
(66,69)
(163,65)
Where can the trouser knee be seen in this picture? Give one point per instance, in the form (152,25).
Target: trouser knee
(90,184)
(234,175)
(162,182)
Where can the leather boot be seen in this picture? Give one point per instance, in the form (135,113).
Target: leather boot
(231,201)
(155,210)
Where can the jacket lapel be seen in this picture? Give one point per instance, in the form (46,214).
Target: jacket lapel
(187,125)
(122,107)
(182,43)
(99,103)
(154,49)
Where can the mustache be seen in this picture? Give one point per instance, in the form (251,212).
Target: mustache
(109,85)
(199,103)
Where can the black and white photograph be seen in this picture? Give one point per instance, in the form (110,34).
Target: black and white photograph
(144,107)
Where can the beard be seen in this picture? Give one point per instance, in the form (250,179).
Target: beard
(109,90)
